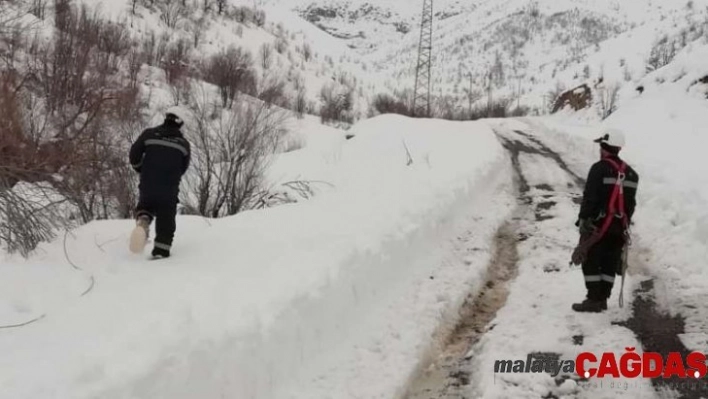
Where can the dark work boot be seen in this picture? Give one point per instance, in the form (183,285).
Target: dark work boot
(591,306)
(159,253)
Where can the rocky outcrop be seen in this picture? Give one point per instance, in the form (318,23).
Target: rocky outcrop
(577,98)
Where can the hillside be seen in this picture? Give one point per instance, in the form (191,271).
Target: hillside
(525,52)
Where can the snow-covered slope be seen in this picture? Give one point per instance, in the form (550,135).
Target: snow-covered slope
(530,48)
(337,294)
(284,48)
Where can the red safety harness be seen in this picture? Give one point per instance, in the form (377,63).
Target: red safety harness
(616,208)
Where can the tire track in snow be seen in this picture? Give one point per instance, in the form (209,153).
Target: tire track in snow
(445,378)
(657,331)
(449,377)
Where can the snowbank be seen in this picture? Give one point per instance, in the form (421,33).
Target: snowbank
(294,301)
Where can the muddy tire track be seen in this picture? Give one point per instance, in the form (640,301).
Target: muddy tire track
(447,377)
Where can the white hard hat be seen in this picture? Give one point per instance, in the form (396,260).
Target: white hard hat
(180,113)
(612,137)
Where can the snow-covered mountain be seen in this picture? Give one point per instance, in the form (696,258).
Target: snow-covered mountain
(527,48)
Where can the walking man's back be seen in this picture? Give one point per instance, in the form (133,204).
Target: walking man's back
(161,155)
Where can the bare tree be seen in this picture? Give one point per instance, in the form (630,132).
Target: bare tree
(206,6)
(176,62)
(662,54)
(271,90)
(38,8)
(232,147)
(221,6)
(259,18)
(171,12)
(231,71)
(198,28)
(69,90)
(266,56)
(609,95)
(337,102)
(307,51)
(300,103)
(552,96)
(281,45)
(472,94)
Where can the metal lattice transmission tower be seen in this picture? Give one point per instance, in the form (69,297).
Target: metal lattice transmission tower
(421,102)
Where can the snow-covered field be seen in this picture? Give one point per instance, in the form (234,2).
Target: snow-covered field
(337,294)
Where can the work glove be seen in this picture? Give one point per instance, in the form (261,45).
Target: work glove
(579,255)
(588,238)
(585,226)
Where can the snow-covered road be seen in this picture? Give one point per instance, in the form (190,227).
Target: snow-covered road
(533,317)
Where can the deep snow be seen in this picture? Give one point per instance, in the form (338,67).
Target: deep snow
(337,294)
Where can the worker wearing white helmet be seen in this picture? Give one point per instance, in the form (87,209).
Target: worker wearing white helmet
(609,200)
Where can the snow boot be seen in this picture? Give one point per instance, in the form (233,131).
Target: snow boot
(591,306)
(140,234)
(159,253)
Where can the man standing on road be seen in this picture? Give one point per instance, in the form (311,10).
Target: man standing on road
(605,215)
(161,155)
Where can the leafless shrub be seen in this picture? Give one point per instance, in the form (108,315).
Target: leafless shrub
(54,144)
(287,193)
(608,96)
(662,54)
(387,104)
(231,149)
(221,6)
(38,8)
(171,12)
(26,222)
(134,66)
(552,96)
(243,14)
(12,39)
(176,62)
(231,71)
(266,56)
(307,52)
(281,45)
(198,28)
(336,103)
(300,103)
(259,18)
(272,91)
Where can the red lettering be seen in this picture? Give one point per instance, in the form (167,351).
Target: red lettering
(608,365)
(652,364)
(696,361)
(580,365)
(674,366)
(631,364)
